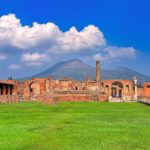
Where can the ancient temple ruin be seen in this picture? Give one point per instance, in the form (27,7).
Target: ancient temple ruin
(49,90)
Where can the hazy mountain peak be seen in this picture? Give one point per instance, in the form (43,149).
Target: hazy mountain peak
(79,70)
(75,64)
(74,60)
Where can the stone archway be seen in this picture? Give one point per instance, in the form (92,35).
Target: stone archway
(117,89)
(34,88)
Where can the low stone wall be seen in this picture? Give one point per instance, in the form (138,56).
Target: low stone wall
(122,99)
(84,92)
(50,100)
(75,98)
(8,99)
(72,98)
(103,98)
(145,100)
(55,98)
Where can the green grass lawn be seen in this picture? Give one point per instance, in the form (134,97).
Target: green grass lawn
(75,126)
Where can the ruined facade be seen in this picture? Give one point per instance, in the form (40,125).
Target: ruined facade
(8,91)
(50,90)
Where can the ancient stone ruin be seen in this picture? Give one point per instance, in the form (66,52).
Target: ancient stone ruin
(49,90)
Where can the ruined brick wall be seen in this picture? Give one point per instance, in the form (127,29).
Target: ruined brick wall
(8,99)
(92,85)
(127,87)
(147,89)
(103,98)
(140,92)
(12,82)
(34,88)
(48,85)
(8,91)
(71,85)
(50,90)
(69,90)
(75,98)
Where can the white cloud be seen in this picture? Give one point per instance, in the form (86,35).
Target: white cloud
(112,52)
(40,41)
(14,67)
(120,52)
(48,36)
(34,59)
(89,38)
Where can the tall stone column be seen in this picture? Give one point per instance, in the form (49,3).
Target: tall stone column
(98,74)
(98,70)
(135,89)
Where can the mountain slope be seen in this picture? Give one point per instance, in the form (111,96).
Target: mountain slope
(74,69)
(124,73)
(79,70)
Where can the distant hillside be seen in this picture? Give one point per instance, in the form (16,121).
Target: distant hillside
(74,69)
(79,70)
(124,73)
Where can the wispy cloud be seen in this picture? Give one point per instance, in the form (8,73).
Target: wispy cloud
(34,59)
(113,52)
(2,57)
(14,67)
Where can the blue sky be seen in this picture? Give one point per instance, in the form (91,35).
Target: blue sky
(115,31)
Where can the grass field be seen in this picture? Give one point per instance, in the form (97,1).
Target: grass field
(75,126)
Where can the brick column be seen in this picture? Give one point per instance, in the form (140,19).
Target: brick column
(11,90)
(110,89)
(98,74)
(4,89)
(8,89)
(42,87)
(14,90)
